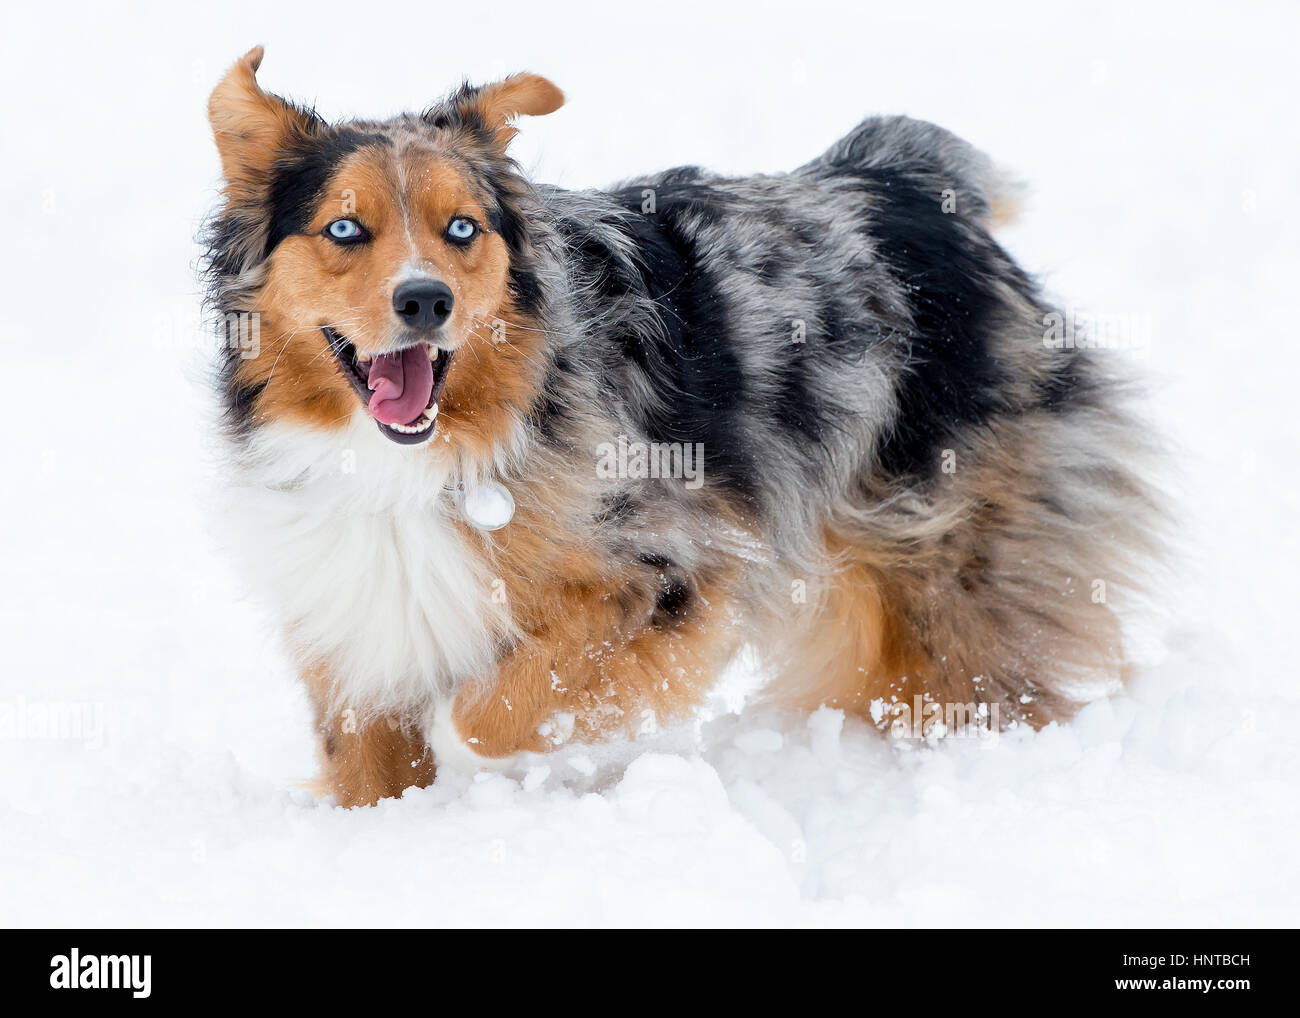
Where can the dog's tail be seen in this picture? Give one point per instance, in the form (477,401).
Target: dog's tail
(965,180)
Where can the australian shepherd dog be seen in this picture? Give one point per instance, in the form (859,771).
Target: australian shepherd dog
(514,465)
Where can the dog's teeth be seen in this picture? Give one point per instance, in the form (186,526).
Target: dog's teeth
(414,429)
(433,353)
(431,413)
(363,358)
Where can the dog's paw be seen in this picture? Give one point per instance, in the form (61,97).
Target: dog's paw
(460,744)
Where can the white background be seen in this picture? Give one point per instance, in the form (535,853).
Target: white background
(1160,146)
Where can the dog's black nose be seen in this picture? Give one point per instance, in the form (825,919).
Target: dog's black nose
(422,303)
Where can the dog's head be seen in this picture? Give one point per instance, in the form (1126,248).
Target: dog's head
(375,253)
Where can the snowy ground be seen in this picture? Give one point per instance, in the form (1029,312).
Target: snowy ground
(1162,150)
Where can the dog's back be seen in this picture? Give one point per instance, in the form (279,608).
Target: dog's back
(951,501)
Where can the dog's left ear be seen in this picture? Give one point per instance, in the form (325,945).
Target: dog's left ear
(520,95)
(251,127)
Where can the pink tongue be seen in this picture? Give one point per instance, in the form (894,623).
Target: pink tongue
(401,385)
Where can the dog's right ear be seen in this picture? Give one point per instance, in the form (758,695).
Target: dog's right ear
(251,126)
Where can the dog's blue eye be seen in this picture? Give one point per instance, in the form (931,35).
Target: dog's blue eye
(345,230)
(462,229)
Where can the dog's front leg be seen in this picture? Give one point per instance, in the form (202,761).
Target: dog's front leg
(366,757)
(605,675)
(501,716)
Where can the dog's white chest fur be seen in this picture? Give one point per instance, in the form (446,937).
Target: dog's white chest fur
(351,541)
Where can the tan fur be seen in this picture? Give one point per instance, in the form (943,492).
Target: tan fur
(591,648)
(1005,209)
(249,125)
(519,95)
(313,282)
(581,661)
(944,615)
(364,758)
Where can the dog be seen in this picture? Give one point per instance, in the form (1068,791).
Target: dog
(516,465)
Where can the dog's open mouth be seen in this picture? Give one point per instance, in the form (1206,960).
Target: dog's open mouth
(400,389)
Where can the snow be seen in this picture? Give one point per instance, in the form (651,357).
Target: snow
(1161,150)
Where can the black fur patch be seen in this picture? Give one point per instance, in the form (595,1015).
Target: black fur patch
(672,605)
(300,175)
(512,226)
(616,507)
(239,399)
(222,235)
(689,363)
(551,411)
(458,110)
(799,410)
(946,267)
